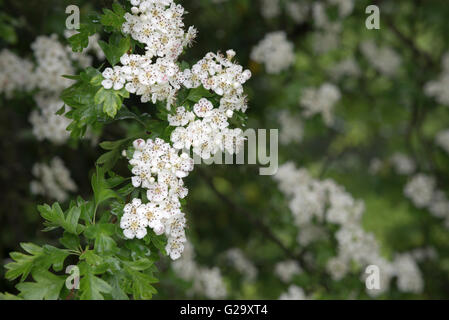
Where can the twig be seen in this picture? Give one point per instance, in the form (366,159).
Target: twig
(255,221)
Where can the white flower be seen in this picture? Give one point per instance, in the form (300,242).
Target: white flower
(207,282)
(53,180)
(153,216)
(385,59)
(294,293)
(113,78)
(134,226)
(133,207)
(174,247)
(291,128)
(320,100)
(15,73)
(345,68)
(409,276)
(337,268)
(442,139)
(270,8)
(157,192)
(403,164)
(203,108)
(420,189)
(181,118)
(438,88)
(275,52)
(240,262)
(327,202)
(286,270)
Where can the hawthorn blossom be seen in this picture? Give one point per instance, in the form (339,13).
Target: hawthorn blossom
(320,101)
(52,180)
(158,168)
(383,59)
(205,281)
(420,189)
(315,203)
(293,293)
(275,52)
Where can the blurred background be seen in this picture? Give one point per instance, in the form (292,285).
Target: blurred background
(367,109)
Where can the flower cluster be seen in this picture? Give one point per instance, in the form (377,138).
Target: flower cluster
(206,281)
(327,36)
(403,164)
(293,293)
(206,128)
(52,180)
(291,128)
(345,68)
(438,88)
(275,52)
(420,190)
(314,202)
(46,123)
(384,59)
(423,192)
(241,263)
(442,139)
(298,11)
(15,73)
(155,76)
(270,8)
(53,62)
(286,270)
(409,278)
(159,169)
(320,101)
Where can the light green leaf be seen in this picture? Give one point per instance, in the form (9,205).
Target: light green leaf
(47,286)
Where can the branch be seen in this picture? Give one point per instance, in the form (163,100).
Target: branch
(249,215)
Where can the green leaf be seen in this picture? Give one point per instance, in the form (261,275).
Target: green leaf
(53,256)
(113,19)
(101,189)
(71,221)
(117,292)
(91,258)
(111,100)
(55,218)
(61,111)
(141,285)
(158,241)
(91,286)
(70,241)
(81,98)
(197,93)
(139,265)
(9,296)
(47,286)
(38,259)
(108,159)
(116,48)
(23,263)
(80,40)
(102,233)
